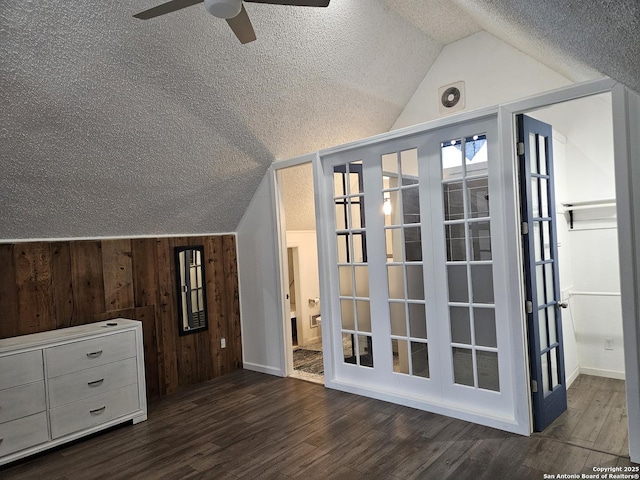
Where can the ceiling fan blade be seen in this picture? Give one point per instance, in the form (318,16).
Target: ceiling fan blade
(241,26)
(295,3)
(168,7)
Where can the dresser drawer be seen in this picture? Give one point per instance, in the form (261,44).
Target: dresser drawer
(84,354)
(92,381)
(21,401)
(93,411)
(23,433)
(20,368)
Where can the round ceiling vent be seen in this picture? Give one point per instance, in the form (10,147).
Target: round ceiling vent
(450,97)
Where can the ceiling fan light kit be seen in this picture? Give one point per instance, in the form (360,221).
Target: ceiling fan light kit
(223,8)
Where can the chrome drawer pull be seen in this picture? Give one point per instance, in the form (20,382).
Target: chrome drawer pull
(98,410)
(95,383)
(94,354)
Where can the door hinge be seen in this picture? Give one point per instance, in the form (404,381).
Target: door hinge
(534,386)
(524,228)
(520,148)
(529,306)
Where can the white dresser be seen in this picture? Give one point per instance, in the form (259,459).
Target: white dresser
(60,385)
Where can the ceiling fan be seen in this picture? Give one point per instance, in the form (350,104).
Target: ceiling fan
(231,10)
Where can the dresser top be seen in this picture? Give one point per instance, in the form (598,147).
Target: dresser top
(63,334)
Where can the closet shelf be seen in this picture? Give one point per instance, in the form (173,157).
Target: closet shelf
(570,207)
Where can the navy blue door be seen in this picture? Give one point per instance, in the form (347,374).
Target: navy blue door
(544,319)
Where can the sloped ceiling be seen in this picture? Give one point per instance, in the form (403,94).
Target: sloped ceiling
(112,126)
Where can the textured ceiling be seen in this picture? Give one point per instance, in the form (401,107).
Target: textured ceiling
(113,126)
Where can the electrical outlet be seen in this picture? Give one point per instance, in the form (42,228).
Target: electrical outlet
(223,343)
(608,343)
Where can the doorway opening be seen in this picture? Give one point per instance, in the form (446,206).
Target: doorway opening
(589,279)
(304,343)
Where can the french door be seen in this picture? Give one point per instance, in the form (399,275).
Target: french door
(411,249)
(543,302)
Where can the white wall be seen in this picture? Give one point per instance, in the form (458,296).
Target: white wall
(259,279)
(493,72)
(308,283)
(589,252)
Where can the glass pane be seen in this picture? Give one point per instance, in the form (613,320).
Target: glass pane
(548,280)
(546,240)
(343,249)
(348,348)
(355,178)
(355,210)
(480,240)
(409,166)
(358,248)
(542,143)
(462,366)
(451,152)
(453,201)
(394,244)
(346,286)
(460,325)
(535,198)
(365,350)
(476,154)
(482,283)
(544,362)
(488,377)
(553,326)
(540,284)
(537,241)
(362,281)
(542,328)
(417,320)
(394,216)
(456,246)
(415,282)
(478,194)
(400,356)
(346,312)
(458,287)
(396,281)
(397,317)
(341,216)
(484,320)
(338,181)
(533,153)
(555,379)
(420,359)
(364,316)
(544,199)
(390,164)
(411,205)
(413,244)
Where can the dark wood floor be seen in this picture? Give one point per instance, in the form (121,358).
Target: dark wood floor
(596,416)
(250,425)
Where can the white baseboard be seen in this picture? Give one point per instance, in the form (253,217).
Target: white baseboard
(255,367)
(572,376)
(597,372)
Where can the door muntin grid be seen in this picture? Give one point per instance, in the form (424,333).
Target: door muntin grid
(404,259)
(353,271)
(469,265)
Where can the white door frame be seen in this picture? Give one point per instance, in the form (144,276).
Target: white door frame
(626,116)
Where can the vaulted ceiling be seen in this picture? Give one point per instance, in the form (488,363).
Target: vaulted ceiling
(113,126)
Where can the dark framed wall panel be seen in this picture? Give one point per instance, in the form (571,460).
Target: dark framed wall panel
(49,285)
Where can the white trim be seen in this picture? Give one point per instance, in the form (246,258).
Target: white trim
(292,162)
(117,237)
(255,367)
(570,378)
(599,372)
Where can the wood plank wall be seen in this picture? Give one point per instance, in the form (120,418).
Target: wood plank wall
(49,285)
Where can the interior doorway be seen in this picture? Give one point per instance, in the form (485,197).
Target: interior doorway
(589,277)
(303,322)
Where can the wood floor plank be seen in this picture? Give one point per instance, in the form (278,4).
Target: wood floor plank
(248,425)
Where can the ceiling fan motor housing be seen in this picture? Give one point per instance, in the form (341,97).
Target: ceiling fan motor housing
(223,8)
